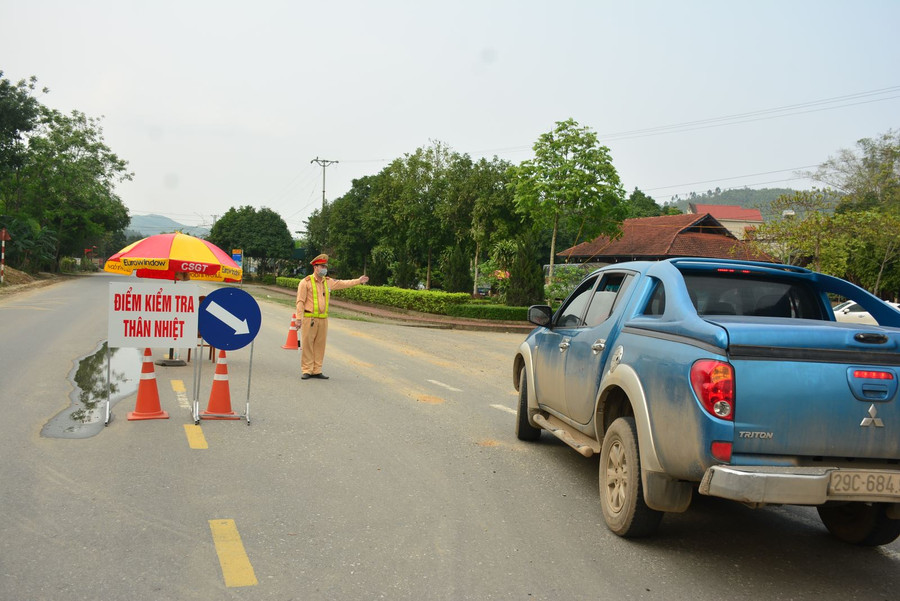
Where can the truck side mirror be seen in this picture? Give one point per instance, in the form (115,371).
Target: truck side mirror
(540,315)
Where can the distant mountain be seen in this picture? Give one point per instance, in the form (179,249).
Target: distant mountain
(742,197)
(149,225)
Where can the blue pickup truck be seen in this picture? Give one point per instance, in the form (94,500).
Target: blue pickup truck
(727,377)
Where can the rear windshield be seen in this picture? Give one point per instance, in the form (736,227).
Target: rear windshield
(747,295)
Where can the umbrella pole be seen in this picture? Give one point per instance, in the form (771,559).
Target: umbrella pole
(199,374)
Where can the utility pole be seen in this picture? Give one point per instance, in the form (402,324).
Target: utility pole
(324,163)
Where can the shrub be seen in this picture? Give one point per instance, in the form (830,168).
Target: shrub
(427,301)
(488,311)
(67,265)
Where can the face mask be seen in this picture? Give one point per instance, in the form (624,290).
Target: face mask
(323,271)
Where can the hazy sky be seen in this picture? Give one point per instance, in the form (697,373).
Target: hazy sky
(219,104)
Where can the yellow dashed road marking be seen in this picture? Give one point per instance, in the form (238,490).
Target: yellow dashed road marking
(181,394)
(195,437)
(194,434)
(236,568)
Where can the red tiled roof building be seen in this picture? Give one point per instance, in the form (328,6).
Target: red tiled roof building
(657,238)
(738,220)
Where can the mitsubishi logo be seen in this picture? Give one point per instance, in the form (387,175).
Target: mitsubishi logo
(872,420)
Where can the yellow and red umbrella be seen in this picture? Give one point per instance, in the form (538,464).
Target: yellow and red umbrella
(175,256)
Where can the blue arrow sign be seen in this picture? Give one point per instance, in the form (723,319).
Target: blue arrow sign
(229,318)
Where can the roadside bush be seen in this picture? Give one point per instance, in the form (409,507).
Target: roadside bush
(68,265)
(488,311)
(427,301)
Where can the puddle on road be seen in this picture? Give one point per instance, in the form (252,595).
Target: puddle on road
(84,417)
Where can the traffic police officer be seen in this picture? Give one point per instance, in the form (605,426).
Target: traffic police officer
(312,303)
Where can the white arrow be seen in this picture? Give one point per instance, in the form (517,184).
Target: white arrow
(238,325)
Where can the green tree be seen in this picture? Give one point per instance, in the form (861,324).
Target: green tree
(803,233)
(422,188)
(868,178)
(458,276)
(641,205)
(32,247)
(867,183)
(268,239)
(68,182)
(526,278)
(316,236)
(262,234)
(493,215)
(228,231)
(349,241)
(19,112)
(571,181)
(57,180)
(871,244)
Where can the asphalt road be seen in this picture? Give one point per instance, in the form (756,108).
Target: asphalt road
(398,478)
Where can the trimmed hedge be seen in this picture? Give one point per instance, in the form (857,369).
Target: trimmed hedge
(426,301)
(454,304)
(486,311)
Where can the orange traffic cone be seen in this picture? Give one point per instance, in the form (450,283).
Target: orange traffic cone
(147,406)
(219,406)
(291,342)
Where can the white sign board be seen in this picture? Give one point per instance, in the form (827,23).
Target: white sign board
(156,315)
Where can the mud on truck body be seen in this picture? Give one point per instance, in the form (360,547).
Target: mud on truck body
(730,378)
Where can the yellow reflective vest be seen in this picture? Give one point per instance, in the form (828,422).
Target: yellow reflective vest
(316,312)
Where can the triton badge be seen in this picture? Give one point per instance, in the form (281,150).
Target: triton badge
(872,420)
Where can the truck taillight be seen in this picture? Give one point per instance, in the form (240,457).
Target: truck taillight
(873,375)
(721,450)
(713,383)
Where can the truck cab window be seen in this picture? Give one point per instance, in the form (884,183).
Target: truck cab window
(656,306)
(572,313)
(604,299)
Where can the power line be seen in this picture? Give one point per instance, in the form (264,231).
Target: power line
(683,129)
(738,118)
(723,179)
(833,103)
(742,117)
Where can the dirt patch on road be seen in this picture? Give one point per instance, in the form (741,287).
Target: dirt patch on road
(18,281)
(488,442)
(429,400)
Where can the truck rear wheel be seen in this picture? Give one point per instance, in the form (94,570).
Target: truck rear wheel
(865,524)
(621,492)
(524,429)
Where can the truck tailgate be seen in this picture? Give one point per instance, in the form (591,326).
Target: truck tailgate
(815,389)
